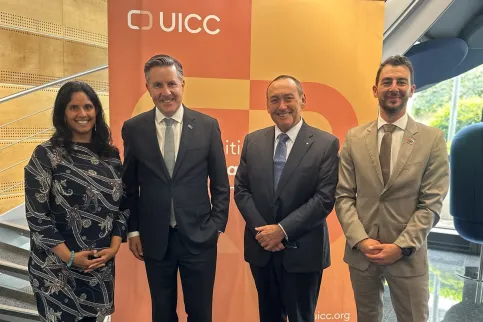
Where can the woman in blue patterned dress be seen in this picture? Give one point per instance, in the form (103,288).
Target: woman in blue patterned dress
(73,190)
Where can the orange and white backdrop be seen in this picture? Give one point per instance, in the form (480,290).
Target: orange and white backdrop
(230,50)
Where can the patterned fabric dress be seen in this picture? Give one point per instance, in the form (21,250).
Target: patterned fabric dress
(72,197)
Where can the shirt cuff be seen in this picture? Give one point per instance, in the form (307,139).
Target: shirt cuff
(132,234)
(286,237)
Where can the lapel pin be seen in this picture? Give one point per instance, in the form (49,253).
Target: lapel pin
(410,141)
(306,142)
(190,127)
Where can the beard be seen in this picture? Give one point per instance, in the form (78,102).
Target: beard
(391,108)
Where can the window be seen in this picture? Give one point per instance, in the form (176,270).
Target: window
(450,106)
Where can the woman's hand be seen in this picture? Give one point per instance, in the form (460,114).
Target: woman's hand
(81,259)
(102,257)
(106,254)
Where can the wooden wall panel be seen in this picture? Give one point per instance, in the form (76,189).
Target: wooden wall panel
(79,57)
(13,175)
(12,187)
(88,15)
(34,59)
(84,15)
(14,154)
(26,105)
(16,133)
(8,202)
(99,81)
(35,9)
(28,53)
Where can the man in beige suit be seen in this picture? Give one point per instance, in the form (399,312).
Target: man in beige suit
(393,177)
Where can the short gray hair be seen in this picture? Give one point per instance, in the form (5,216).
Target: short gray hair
(163,61)
(300,90)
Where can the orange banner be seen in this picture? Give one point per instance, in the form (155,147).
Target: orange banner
(229,54)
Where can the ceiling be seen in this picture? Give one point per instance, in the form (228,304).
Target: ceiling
(452,45)
(455,18)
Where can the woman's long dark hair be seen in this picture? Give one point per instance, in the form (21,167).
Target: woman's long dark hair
(101,135)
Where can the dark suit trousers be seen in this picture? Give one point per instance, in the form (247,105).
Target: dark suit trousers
(282,294)
(197,273)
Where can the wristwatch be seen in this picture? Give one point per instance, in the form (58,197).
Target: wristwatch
(406,252)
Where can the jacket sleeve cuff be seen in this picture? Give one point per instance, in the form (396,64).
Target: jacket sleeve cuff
(286,237)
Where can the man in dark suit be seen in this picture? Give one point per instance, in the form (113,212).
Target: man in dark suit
(284,189)
(169,154)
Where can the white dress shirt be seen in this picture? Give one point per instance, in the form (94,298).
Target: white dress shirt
(160,131)
(177,128)
(292,135)
(397,136)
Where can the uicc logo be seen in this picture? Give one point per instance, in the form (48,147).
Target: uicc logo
(183,22)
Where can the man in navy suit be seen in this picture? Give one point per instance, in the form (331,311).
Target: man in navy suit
(284,189)
(170,152)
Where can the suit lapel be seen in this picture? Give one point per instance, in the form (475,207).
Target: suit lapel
(189,128)
(299,149)
(265,151)
(151,138)
(407,146)
(371,144)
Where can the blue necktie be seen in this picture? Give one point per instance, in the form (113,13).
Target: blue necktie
(279,158)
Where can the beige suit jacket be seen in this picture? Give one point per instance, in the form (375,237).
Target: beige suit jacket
(406,209)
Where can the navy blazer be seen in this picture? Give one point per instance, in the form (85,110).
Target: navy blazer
(150,189)
(302,201)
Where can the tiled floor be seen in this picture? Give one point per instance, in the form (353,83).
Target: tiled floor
(452,298)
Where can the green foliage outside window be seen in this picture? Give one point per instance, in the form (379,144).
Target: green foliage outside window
(468,112)
(434,98)
(450,287)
